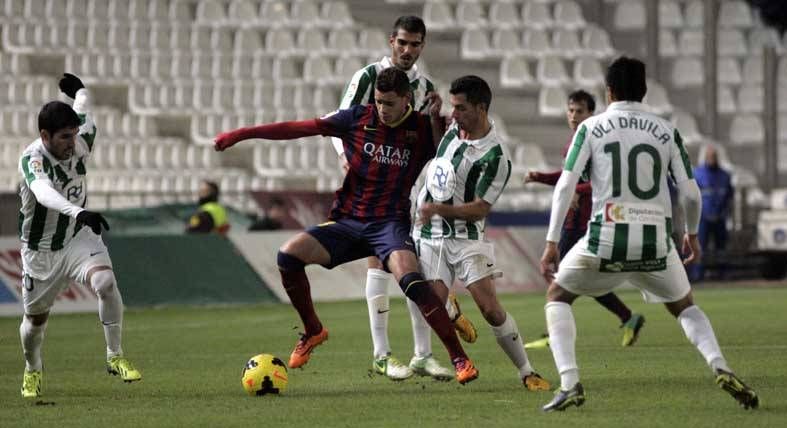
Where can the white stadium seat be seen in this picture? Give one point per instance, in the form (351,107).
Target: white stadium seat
(470,15)
(438,16)
(725,100)
(568,14)
(687,126)
(503,15)
(630,15)
(588,72)
(731,43)
(750,98)
(474,44)
(687,72)
(550,71)
(746,129)
(552,102)
(536,15)
(735,14)
(668,47)
(728,71)
(515,73)
(670,15)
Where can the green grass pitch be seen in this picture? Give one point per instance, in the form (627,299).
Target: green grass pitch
(191,360)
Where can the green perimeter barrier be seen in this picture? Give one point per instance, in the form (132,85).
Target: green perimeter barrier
(185,269)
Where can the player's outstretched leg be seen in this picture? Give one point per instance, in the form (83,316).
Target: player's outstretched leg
(418,290)
(296,284)
(699,331)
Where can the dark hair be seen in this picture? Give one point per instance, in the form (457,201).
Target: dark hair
(580,96)
(476,90)
(626,79)
(411,24)
(393,79)
(57,115)
(214,189)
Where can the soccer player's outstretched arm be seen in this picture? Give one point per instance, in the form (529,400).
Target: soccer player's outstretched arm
(276,131)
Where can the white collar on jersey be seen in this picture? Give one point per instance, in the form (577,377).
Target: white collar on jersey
(628,105)
(412,73)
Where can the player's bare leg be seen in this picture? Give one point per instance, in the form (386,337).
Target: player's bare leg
(506,332)
(301,250)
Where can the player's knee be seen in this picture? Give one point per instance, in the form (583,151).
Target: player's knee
(103,283)
(414,286)
(493,314)
(289,262)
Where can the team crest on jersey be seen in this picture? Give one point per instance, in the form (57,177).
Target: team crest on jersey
(36,167)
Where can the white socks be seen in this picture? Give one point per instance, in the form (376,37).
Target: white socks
(509,339)
(700,333)
(378,304)
(110,309)
(562,337)
(32,338)
(422,333)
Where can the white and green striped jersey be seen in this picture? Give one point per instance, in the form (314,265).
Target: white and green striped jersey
(481,169)
(360,90)
(41,228)
(628,153)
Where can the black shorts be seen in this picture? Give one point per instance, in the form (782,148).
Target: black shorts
(347,240)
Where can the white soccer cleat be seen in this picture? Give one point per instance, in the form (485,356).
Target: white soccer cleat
(428,366)
(392,368)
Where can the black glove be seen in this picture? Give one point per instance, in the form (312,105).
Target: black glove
(70,84)
(93,220)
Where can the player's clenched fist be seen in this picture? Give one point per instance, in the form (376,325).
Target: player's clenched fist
(224,141)
(70,84)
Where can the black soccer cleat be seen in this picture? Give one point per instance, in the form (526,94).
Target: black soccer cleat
(564,399)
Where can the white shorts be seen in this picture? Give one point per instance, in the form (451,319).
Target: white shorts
(579,273)
(47,273)
(463,259)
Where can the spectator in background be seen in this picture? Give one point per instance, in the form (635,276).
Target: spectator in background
(716,186)
(211,216)
(274,216)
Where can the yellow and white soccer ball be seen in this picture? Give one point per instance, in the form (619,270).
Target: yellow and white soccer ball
(264,374)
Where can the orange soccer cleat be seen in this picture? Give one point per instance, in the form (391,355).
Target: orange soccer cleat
(465,370)
(303,349)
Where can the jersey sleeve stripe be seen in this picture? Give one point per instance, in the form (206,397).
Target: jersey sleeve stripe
(683,155)
(490,173)
(576,146)
(29,177)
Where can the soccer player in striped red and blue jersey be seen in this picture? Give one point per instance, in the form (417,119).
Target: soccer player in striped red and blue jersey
(387,144)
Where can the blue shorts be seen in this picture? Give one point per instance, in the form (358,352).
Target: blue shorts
(347,240)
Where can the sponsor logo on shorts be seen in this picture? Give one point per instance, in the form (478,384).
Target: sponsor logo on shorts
(633,265)
(97,252)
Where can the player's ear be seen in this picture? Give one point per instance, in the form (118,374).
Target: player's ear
(44,134)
